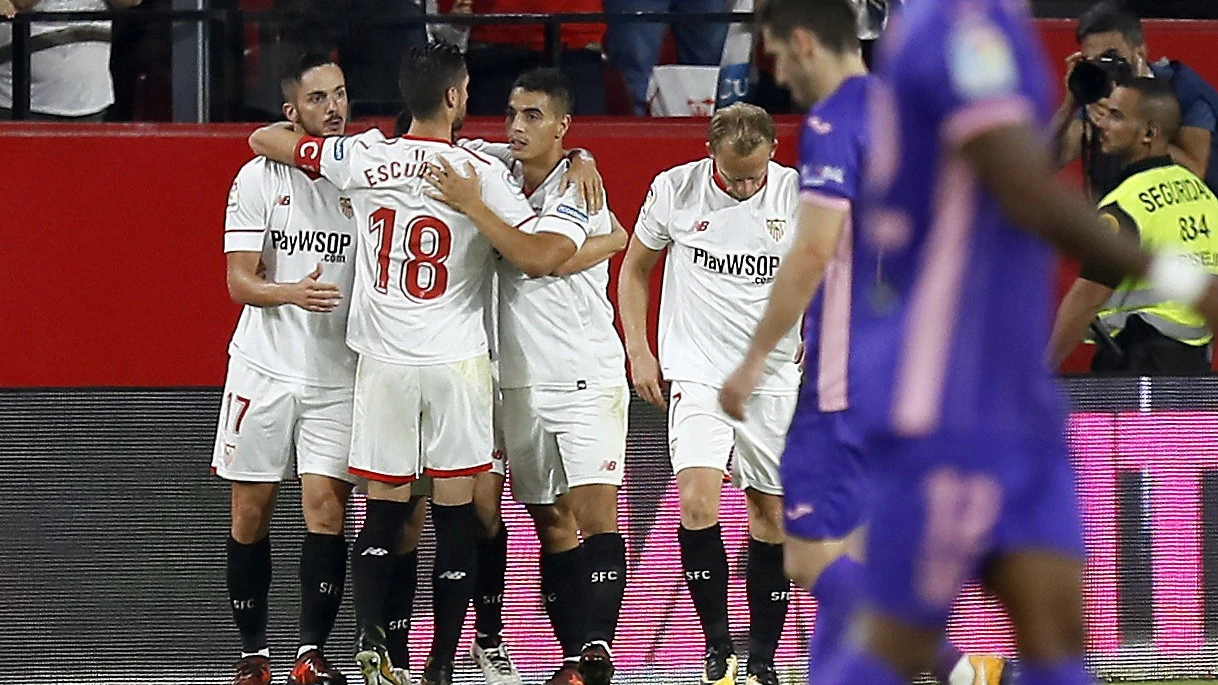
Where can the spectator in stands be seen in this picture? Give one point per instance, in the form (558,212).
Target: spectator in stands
(69,62)
(498,53)
(1110,35)
(634,48)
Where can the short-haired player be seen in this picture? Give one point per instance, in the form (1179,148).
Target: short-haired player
(817,55)
(290,244)
(423,393)
(562,373)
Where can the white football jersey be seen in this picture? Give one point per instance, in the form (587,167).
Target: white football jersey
(723,257)
(556,331)
(296,221)
(421,280)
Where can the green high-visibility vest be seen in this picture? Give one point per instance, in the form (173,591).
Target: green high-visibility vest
(1170,208)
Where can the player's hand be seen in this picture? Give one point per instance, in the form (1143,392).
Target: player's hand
(312,295)
(582,174)
(7,9)
(738,388)
(645,373)
(461,192)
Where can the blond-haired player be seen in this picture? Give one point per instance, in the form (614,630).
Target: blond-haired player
(727,221)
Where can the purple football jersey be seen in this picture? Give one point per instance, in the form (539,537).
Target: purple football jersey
(832,150)
(949,340)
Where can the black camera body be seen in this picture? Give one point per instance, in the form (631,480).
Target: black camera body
(1093,80)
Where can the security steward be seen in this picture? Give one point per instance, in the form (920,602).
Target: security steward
(1167,208)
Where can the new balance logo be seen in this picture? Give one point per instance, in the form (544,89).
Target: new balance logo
(452,575)
(374,552)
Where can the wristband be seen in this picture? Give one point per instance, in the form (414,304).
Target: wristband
(308,153)
(1177,279)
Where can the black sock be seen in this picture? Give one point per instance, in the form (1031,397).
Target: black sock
(605,569)
(453,578)
(705,563)
(769,591)
(400,607)
(249,578)
(563,591)
(372,561)
(323,571)
(488,597)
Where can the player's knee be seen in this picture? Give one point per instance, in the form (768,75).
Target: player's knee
(324,513)
(251,513)
(765,518)
(556,527)
(595,508)
(699,507)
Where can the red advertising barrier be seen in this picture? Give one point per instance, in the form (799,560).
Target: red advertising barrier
(112,232)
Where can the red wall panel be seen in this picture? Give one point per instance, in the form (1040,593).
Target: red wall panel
(112,232)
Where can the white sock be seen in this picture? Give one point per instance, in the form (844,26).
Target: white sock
(266,652)
(305,648)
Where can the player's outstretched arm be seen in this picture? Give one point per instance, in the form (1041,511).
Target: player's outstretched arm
(247,286)
(633,296)
(536,254)
(1012,163)
(1075,313)
(801,273)
(596,249)
(277,142)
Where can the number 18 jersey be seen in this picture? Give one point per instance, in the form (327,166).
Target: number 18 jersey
(423,267)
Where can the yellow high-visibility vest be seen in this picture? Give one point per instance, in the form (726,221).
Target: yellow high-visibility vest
(1170,208)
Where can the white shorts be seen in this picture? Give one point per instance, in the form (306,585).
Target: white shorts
(415,420)
(265,421)
(561,439)
(701,434)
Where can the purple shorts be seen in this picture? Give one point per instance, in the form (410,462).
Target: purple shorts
(823,476)
(941,508)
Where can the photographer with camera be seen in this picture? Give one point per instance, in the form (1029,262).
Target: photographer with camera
(1167,208)
(1111,51)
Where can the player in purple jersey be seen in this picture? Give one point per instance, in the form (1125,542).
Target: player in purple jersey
(964,425)
(817,56)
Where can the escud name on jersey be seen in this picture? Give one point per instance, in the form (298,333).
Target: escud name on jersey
(332,245)
(760,267)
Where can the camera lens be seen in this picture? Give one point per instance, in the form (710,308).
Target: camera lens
(1089,83)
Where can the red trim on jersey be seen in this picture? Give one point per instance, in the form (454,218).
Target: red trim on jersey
(421,139)
(532,218)
(381,477)
(245,230)
(308,153)
(457,473)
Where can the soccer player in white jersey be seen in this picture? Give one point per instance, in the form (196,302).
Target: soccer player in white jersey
(290,246)
(562,372)
(423,391)
(727,222)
